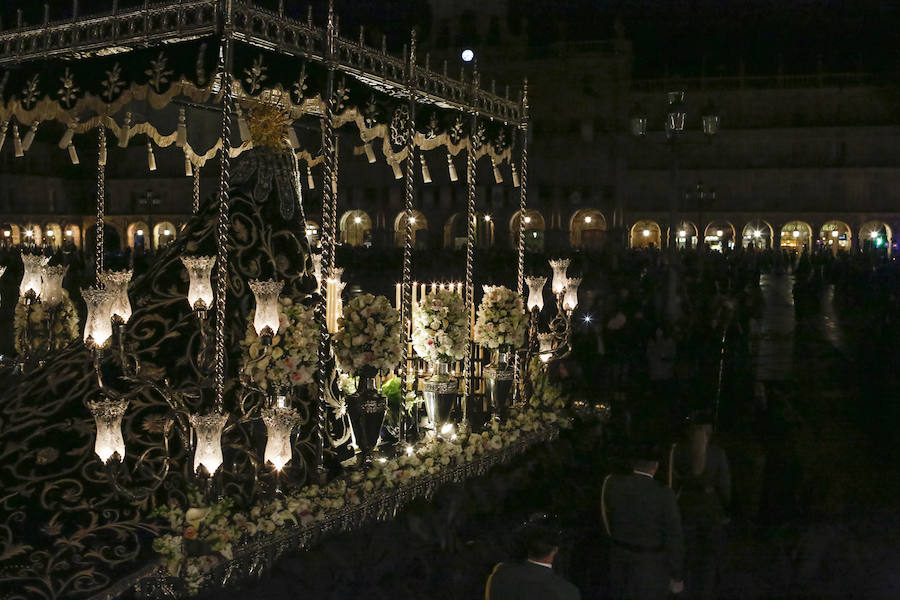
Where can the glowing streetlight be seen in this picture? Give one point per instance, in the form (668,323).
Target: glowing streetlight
(834,233)
(527,219)
(646,233)
(682,233)
(487,218)
(468,55)
(588,219)
(358,220)
(719,233)
(796,233)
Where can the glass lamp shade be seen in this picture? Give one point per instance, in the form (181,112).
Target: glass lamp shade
(317,270)
(545,340)
(200,291)
(559,266)
(280,423)
(97,325)
(51,284)
(535,292)
(265,319)
(31,277)
(710,123)
(208,452)
(676,115)
(117,283)
(108,414)
(570,301)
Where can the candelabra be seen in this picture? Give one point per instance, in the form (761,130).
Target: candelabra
(557,342)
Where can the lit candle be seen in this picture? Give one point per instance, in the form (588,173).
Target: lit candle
(433,285)
(397,303)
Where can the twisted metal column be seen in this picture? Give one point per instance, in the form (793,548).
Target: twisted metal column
(196,204)
(222,220)
(470,260)
(101,202)
(405,286)
(523,201)
(328,247)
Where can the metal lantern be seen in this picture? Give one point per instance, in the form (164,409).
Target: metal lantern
(200,291)
(117,283)
(31,277)
(638,121)
(108,414)
(97,325)
(536,292)
(265,319)
(280,422)
(208,451)
(710,120)
(51,284)
(570,301)
(559,266)
(676,115)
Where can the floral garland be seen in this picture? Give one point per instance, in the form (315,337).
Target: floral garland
(291,360)
(40,330)
(439,327)
(501,320)
(368,335)
(218,528)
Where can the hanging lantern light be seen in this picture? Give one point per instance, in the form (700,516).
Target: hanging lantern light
(30,286)
(265,319)
(97,325)
(570,301)
(200,291)
(638,121)
(676,115)
(454,176)
(51,284)
(109,443)
(710,120)
(208,451)
(29,136)
(535,292)
(280,423)
(426,174)
(559,266)
(117,283)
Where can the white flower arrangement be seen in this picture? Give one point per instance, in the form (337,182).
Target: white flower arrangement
(439,327)
(501,320)
(368,335)
(291,359)
(40,329)
(220,527)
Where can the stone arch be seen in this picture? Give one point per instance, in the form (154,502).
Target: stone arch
(719,235)
(11,234)
(685,235)
(646,234)
(796,235)
(419,223)
(163,233)
(53,234)
(356,228)
(72,234)
(587,228)
(535,226)
(757,234)
(456,232)
(875,236)
(137,236)
(33,234)
(836,235)
(112,240)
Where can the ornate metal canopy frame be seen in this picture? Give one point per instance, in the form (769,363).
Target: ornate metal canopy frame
(242,56)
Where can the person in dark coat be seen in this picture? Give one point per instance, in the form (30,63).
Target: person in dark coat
(533,579)
(641,517)
(700,477)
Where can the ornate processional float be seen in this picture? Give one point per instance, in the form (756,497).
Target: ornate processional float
(210,386)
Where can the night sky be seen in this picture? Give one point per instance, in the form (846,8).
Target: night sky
(675,37)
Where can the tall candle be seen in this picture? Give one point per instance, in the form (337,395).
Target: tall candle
(397,303)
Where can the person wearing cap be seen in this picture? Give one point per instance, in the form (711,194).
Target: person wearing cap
(641,518)
(533,579)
